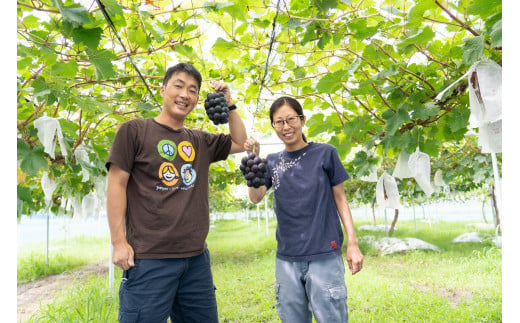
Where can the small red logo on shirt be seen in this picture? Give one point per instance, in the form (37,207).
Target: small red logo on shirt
(333,244)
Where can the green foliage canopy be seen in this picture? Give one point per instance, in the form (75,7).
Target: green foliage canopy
(366,72)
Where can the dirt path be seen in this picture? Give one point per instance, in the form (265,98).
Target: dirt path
(32,295)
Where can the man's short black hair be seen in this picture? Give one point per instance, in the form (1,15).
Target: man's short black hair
(183,67)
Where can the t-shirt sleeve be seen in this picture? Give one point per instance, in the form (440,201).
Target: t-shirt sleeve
(124,148)
(335,170)
(219,146)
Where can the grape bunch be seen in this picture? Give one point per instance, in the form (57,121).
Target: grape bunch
(253,168)
(216,108)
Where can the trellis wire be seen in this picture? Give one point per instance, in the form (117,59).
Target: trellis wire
(113,27)
(266,69)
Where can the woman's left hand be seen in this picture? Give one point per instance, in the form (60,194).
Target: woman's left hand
(354,259)
(251,145)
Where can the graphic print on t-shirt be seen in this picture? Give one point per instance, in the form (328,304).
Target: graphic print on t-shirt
(281,167)
(186,151)
(168,174)
(167,149)
(188,174)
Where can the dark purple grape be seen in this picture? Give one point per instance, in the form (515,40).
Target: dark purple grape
(216,108)
(253,167)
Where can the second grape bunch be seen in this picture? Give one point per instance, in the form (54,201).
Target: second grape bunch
(253,168)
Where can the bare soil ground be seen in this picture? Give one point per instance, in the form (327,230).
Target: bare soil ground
(40,292)
(454,296)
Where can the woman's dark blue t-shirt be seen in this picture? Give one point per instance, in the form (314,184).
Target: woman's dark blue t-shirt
(309,227)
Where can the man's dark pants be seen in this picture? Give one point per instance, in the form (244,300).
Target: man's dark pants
(155,289)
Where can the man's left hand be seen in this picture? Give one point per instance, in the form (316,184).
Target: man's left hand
(223,87)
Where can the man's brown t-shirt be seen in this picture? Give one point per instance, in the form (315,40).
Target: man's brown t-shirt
(167,214)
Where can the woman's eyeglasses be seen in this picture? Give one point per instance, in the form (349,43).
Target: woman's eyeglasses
(291,121)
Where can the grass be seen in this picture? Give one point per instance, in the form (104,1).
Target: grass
(463,283)
(243,271)
(64,255)
(460,284)
(91,301)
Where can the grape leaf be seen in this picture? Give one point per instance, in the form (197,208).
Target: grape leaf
(422,38)
(65,69)
(24,194)
(430,147)
(415,16)
(473,50)
(34,161)
(331,82)
(325,5)
(424,112)
(75,13)
(138,36)
(102,61)
(89,37)
(394,120)
(360,29)
(496,34)
(484,8)
(22,149)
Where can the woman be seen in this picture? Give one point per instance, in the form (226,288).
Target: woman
(307,179)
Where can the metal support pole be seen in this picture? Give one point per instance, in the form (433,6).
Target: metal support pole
(110,268)
(47,242)
(498,185)
(414,219)
(258,215)
(266,218)
(386,224)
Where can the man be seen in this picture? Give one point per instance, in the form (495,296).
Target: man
(158,209)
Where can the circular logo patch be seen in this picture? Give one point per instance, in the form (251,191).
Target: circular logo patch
(186,151)
(188,174)
(167,149)
(168,174)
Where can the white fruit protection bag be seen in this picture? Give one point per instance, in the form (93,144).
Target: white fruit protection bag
(81,155)
(490,137)
(89,205)
(419,165)
(439,183)
(485,92)
(401,167)
(48,187)
(49,130)
(387,193)
(485,98)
